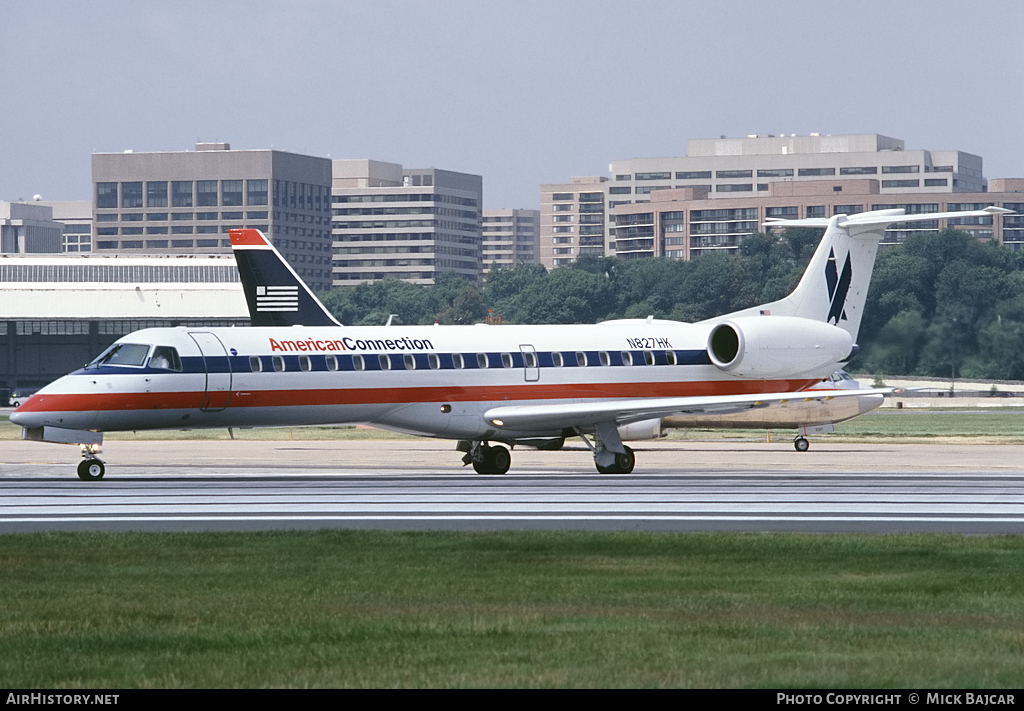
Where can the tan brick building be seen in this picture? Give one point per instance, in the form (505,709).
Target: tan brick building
(684,223)
(572,220)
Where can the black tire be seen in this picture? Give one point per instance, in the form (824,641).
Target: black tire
(801,444)
(500,460)
(91,470)
(496,460)
(624,463)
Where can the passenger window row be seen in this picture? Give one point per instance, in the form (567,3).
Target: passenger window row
(461,361)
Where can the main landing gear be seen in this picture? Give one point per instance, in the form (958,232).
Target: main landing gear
(623,464)
(611,456)
(486,459)
(91,468)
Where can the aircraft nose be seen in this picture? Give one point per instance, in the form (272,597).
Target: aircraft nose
(26,419)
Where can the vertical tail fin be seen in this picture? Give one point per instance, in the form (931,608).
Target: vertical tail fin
(274,292)
(834,286)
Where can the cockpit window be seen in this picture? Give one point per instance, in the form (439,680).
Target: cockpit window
(165,358)
(122,354)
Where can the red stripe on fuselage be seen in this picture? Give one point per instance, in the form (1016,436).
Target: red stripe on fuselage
(81,402)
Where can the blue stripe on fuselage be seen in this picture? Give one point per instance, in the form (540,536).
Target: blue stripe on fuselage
(318,362)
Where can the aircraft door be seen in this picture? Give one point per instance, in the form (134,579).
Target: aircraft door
(531,369)
(218,371)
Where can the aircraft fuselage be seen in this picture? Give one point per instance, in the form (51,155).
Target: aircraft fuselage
(431,380)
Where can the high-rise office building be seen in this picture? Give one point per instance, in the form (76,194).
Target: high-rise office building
(186,201)
(404,223)
(510,237)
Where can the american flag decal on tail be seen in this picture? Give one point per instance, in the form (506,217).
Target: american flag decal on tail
(289,302)
(277,298)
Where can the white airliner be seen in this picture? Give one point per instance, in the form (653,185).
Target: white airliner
(483,385)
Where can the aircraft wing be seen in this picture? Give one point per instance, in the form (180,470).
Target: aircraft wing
(546,418)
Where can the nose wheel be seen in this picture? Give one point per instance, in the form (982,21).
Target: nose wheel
(801,444)
(485,458)
(91,467)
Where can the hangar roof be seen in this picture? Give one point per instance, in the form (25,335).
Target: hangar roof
(94,287)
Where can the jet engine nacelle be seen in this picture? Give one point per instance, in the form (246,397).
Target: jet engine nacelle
(646,429)
(766,347)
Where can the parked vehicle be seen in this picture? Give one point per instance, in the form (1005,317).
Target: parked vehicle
(20,396)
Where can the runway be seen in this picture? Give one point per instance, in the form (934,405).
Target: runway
(417,485)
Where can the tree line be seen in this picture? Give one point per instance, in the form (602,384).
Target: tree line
(940,304)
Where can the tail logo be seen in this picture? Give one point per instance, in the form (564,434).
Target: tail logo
(277,298)
(838,286)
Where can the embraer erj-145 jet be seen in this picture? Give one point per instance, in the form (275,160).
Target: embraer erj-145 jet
(483,385)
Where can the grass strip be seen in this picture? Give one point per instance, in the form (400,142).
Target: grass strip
(936,426)
(520,609)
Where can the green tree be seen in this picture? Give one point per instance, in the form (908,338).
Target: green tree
(647,286)
(717,284)
(896,348)
(565,296)
(508,283)
(456,301)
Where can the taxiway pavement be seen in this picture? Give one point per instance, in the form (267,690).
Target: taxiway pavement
(678,485)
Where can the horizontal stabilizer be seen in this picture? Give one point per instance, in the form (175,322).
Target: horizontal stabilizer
(882,217)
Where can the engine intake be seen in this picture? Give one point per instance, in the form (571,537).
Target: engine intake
(777,347)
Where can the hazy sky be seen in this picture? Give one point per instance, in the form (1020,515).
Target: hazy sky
(522,93)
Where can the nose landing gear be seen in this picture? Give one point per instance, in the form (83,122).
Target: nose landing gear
(485,458)
(91,468)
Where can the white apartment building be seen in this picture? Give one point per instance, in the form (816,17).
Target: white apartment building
(410,224)
(510,237)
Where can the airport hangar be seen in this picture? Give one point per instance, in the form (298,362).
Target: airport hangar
(59,312)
